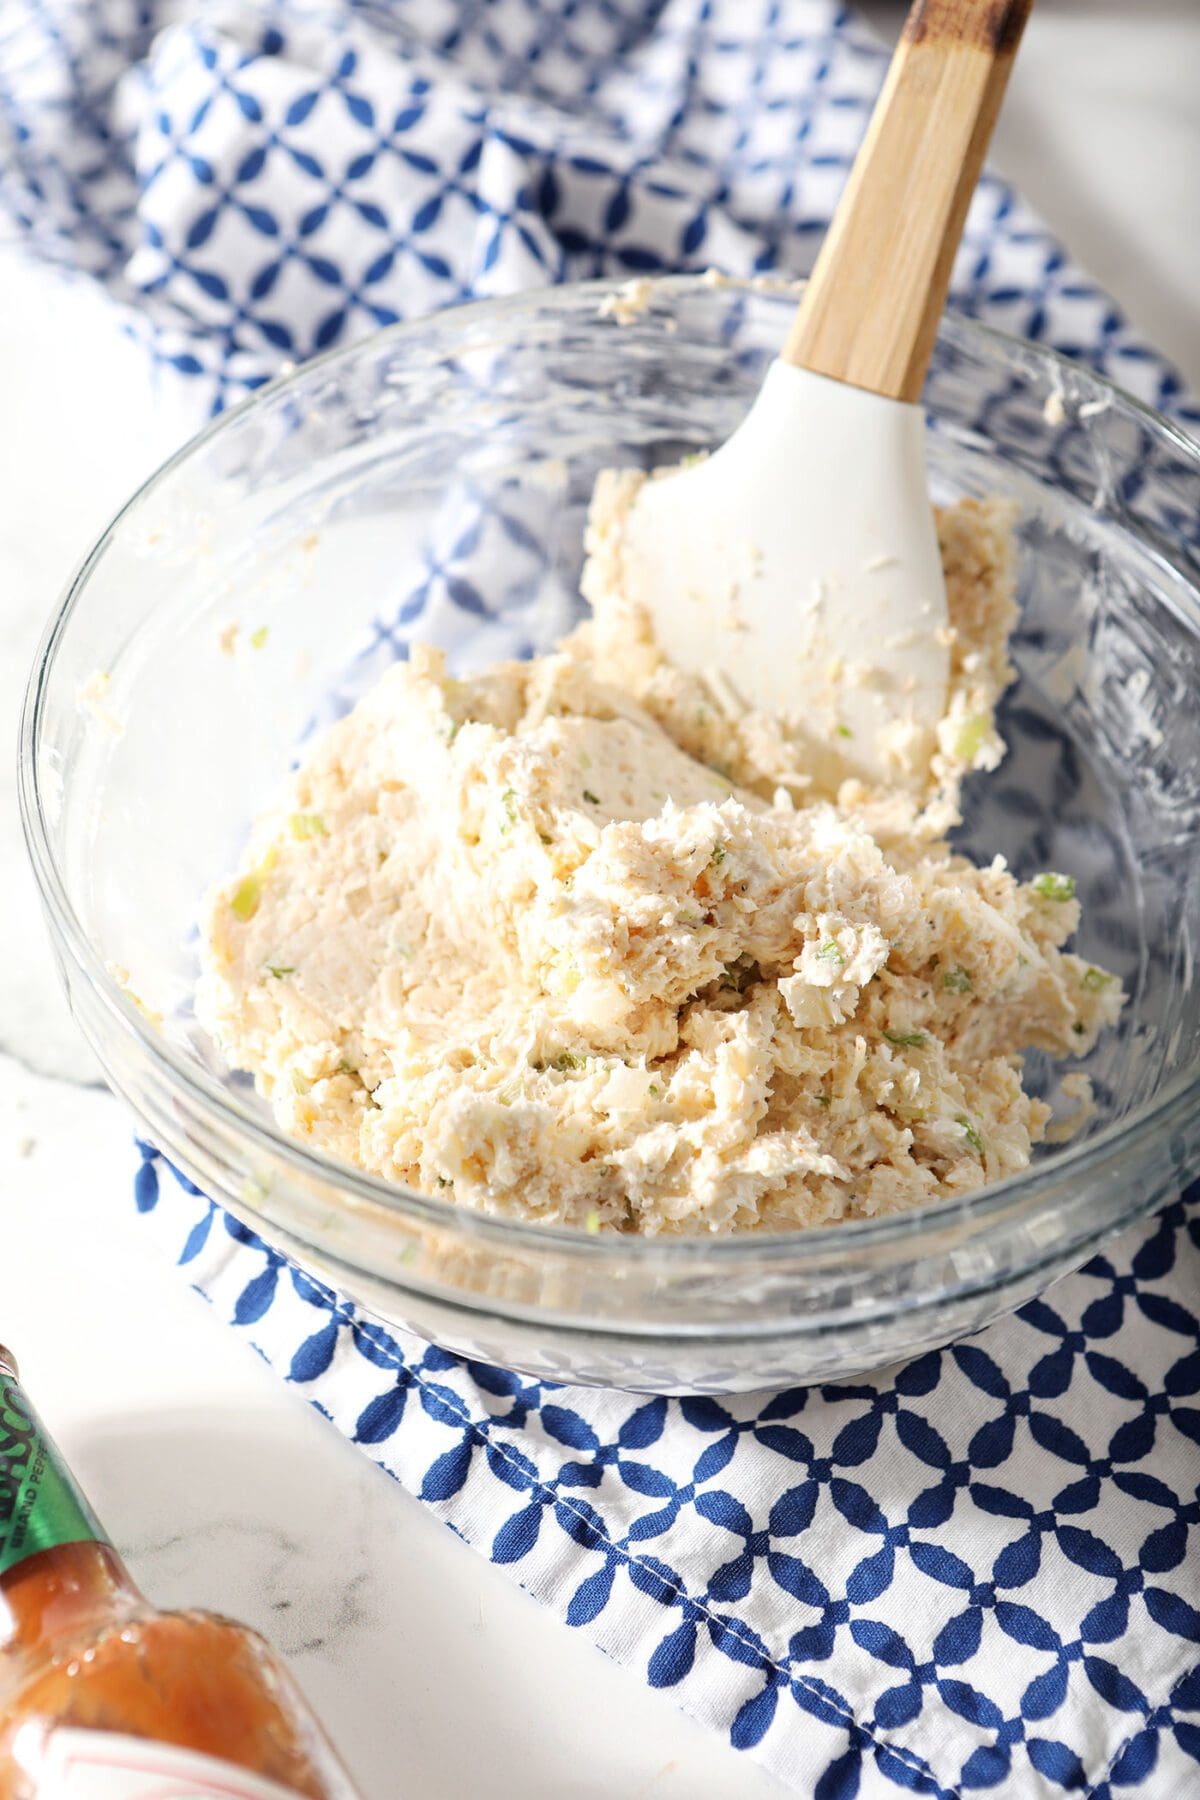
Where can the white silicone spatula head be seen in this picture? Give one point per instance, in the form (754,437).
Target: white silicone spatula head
(800,560)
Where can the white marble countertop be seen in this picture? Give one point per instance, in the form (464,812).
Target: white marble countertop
(436,1676)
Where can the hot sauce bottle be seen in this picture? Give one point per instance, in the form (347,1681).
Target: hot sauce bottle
(104,1698)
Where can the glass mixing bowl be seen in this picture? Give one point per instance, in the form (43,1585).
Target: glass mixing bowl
(431,483)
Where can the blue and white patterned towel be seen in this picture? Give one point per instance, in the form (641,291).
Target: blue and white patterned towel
(980,1572)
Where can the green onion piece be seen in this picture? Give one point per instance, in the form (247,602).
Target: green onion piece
(969,1132)
(508,800)
(246,895)
(842,731)
(832,953)
(907,1040)
(592,1223)
(307,825)
(969,741)
(957,981)
(259,637)
(1095,980)
(279,970)
(566,1060)
(1054,887)
(719,854)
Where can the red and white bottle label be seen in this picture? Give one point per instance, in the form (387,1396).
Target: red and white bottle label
(104,1765)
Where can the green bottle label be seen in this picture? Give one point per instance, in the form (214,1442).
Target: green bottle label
(40,1505)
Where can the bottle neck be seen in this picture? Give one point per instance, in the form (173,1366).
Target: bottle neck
(55,1594)
(57,1569)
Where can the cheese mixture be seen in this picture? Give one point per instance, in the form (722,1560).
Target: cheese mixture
(577,940)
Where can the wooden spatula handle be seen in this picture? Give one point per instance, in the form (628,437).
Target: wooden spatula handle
(870,312)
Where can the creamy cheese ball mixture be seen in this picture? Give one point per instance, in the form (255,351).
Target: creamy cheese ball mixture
(578,940)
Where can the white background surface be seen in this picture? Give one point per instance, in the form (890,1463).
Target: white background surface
(434,1674)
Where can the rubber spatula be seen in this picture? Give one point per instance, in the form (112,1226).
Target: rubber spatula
(800,560)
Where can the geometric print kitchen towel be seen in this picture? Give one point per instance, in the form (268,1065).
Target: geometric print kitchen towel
(254,181)
(979,1572)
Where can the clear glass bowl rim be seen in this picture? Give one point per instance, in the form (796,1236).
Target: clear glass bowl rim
(1176,1100)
